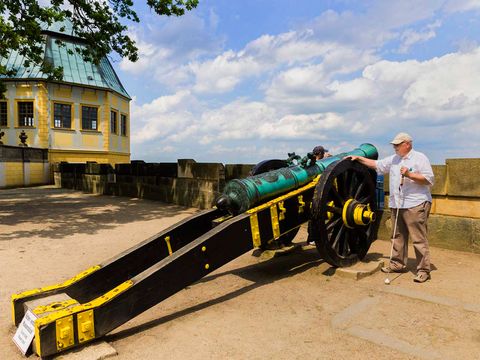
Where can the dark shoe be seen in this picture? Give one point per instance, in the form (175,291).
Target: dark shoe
(388,269)
(421,277)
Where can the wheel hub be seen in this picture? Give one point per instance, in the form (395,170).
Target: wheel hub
(355,214)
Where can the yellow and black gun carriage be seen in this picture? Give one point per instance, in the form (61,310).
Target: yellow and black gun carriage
(336,196)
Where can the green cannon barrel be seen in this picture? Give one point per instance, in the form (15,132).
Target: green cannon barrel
(240,195)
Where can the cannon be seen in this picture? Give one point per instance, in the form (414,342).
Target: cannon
(335,196)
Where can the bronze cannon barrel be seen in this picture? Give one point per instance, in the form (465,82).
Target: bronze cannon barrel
(240,195)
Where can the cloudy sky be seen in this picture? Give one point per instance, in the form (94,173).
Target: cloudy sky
(239,81)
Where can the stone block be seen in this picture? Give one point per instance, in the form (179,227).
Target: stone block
(57,179)
(17,153)
(123,169)
(151,180)
(208,171)
(188,168)
(237,171)
(162,193)
(440,183)
(361,269)
(128,179)
(160,169)
(35,154)
(137,167)
(125,189)
(476,235)
(185,168)
(456,206)
(384,225)
(166,170)
(77,168)
(450,232)
(91,167)
(386,183)
(10,153)
(462,177)
(196,193)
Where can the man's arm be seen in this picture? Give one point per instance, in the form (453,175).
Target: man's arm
(416,177)
(363,160)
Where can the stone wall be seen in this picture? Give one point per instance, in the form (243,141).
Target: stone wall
(454,222)
(185,183)
(23,166)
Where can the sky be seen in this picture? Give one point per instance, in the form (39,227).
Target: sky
(240,81)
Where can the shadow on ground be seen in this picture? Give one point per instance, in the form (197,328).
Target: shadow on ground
(57,213)
(260,274)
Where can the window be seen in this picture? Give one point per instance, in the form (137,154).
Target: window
(123,125)
(89,118)
(113,121)
(3,114)
(62,115)
(25,113)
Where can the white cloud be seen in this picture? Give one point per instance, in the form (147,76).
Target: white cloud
(224,72)
(385,98)
(162,117)
(452,6)
(167,44)
(411,37)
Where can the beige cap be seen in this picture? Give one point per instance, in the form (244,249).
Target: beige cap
(401,137)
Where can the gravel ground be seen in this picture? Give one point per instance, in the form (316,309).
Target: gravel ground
(291,307)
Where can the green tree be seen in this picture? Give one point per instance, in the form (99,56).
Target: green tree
(98,22)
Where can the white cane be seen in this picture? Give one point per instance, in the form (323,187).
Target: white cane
(387,280)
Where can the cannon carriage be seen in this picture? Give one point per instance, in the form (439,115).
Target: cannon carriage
(335,196)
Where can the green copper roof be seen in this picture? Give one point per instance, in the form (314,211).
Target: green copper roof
(75,69)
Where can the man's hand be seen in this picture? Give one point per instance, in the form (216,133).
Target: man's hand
(404,171)
(372,164)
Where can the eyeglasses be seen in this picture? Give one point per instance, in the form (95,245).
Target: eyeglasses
(397,145)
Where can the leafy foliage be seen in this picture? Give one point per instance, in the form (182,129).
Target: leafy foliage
(98,22)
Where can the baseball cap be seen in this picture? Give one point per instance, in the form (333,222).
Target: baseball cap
(401,137)
(319,150)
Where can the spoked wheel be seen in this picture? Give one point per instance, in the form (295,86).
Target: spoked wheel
(266,166)
(343,212)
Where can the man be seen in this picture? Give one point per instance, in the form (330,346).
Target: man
(320,152)
(411,178)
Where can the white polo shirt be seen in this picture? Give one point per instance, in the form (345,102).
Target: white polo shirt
(411,194)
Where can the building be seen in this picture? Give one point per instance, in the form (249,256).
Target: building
(84,117)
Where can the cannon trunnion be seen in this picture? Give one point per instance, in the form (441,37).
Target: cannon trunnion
(335,196)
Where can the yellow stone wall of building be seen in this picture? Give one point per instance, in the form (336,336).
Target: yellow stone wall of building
(42,104)
(62,139)
(16,174)
(99,157)
(62,91)
(37,173)
(13,174)
(85,144)
(24,90)
(106,124)
(89,95)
